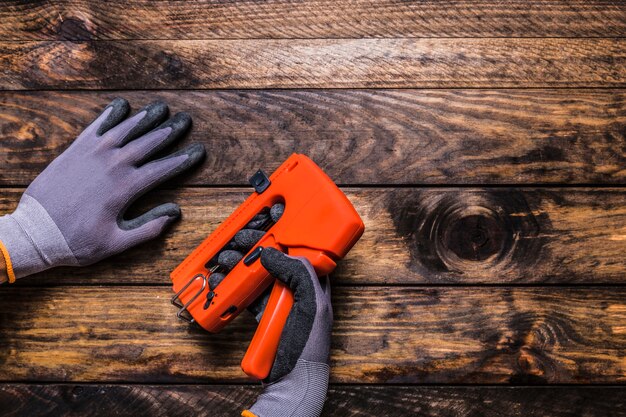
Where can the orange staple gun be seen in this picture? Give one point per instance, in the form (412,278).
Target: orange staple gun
(318,222)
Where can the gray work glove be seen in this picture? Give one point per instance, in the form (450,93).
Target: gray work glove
(73,212)
(242,243)
(298,380)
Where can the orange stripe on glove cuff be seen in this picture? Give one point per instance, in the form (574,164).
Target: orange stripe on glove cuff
(247,413)
(7,267)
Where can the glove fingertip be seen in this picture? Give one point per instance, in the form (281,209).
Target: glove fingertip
(274,261)
(119,102)
(229,258)
(179,124)
(160,105)
(245,239)
(196,153)
(271,255)
(277,211)
(181,121)
(168,211)
(215,279)
(171,210)
(155,110)
(119,110)
(153,115)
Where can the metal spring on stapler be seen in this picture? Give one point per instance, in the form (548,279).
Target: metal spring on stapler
(183,307)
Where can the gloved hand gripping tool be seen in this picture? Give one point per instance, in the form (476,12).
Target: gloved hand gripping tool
(318,223)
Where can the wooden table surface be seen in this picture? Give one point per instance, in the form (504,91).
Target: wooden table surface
(483,143)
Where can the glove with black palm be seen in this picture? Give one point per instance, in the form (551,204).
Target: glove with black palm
(298,381)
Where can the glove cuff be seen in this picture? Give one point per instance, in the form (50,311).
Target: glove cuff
(32,240)
(301,393)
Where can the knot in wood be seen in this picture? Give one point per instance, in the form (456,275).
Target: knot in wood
(468,232)
(73,29)
(475,237)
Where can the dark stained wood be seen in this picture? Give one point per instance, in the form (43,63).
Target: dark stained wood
(143,19)
(381,335)
(314,63)
(356,136)
(343,400)
(497,283)
(412,236)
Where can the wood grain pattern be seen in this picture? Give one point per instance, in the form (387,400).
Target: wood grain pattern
(209,19)
(381,335)
(486,281)
(343,401)
(356,136)
(412,236)
(322,63)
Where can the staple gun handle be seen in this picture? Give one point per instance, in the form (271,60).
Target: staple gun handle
(259,357)
(261,353)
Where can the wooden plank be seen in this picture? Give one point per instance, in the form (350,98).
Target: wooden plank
(207,19)
(413,236)
(314,63)
(343,400)
(381,335)
(358,137)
